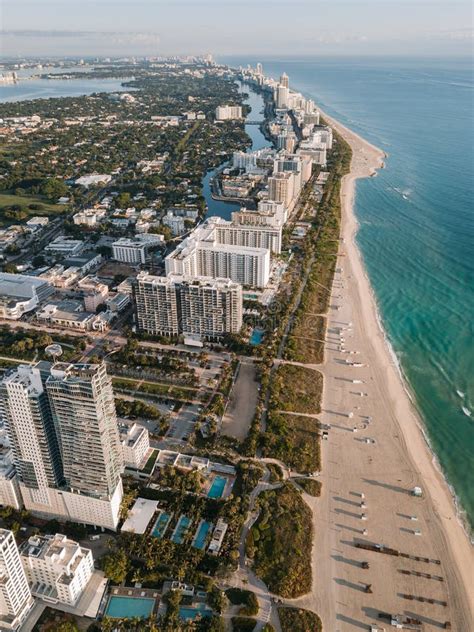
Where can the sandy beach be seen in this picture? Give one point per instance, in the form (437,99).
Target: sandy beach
(375,454)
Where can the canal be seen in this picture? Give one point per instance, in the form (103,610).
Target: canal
(256,102)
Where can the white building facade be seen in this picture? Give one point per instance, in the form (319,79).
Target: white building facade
(15,595)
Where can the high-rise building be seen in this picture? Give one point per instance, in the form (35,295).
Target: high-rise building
(228,112)
(63,432)
(15,595)
(259,69)
(281,188)
(282,97)
(83,411)
(284,80)
(32,435)
(193,306)
(202,254)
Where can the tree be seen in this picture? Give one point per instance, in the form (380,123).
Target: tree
(67,626)
(115,565)
(123,200)
(53,188)
(38,261)
(10,267)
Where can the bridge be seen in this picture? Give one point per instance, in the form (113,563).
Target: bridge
(254,122)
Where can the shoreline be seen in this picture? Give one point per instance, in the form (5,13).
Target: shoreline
(366,160)
(342,129)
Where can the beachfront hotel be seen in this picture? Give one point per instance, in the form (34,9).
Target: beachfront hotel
(62,428)
(219,249)
(193,306)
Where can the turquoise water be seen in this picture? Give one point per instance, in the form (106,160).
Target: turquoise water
(256,337)
(201,535)
(217,488)
(180,531)
(416,226)
(129,607)
(160,525)
(189,614)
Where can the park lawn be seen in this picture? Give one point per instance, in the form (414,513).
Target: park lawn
(280,541)
(294,440)
(306,340)
(8,199)
(299,620)
(296,389)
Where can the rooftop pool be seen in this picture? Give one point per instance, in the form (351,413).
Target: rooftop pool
(200,537)
(161,525)
(256,337)
(189,613)
(129,607)
(180,530)
(217,488)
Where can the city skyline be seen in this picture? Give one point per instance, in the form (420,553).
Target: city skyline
(70,27)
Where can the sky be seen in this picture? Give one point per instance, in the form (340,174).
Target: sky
(229,27)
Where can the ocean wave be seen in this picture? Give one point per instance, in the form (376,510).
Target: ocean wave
(461,514)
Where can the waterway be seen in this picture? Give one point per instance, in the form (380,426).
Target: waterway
(29,88)
(257,105)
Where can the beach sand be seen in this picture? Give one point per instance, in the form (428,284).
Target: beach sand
(385,471)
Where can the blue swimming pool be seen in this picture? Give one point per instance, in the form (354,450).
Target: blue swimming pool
(129,607)
(256,337)
(190,613)
(161,524)
(200,537)
(217,488)
(180,531)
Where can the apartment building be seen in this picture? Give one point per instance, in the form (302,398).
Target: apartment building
(58,569)
(203,255)
(194,306)
(62,428)
(228,112)
(15,595)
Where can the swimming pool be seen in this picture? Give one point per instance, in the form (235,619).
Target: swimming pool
(256,337)
(180,530)
(189,613)
(161,525)
(129,607)
(217,488)
(201,534)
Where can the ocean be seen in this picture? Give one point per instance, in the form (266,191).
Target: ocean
(416,221)
(416,226)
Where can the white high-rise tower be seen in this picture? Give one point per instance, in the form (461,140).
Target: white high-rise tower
(63,432)
(15,595)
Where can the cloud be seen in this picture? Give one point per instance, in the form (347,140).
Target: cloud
(115,36)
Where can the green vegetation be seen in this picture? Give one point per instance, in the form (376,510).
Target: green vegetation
(280,540)
(148,469)
(247,598)
(129,385)
(136,409)
(306,340)
(276,473)
(297,389)
(115,565)
(299,620)
(27,344)
(310,486)
(14,208)
(243,624)
(293,439)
